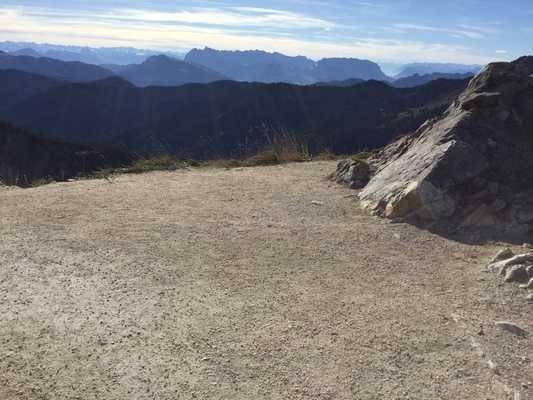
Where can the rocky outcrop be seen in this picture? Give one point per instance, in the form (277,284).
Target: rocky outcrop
(514,268)
(472,166)
(353,173)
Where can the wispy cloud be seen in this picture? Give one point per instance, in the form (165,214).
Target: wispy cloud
(455,32)
(229,17)
(197,28)
(487,29)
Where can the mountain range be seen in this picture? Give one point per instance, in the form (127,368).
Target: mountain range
(210,105)
(155,71)
(432,68)
(261,66)
(162,70)
(165,71)
(417,80)
(209,65)
(85,54)
(69,71)
(130,55)
(223,118)
(408,82)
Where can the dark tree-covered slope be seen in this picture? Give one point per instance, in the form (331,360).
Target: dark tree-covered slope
(25,158)
(230,118)
(16,86)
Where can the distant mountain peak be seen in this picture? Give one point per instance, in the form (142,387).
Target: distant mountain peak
(162,70)
(159,58)
(262,66)
(27,51)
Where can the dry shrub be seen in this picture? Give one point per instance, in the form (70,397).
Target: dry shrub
(282,147)
(157,163)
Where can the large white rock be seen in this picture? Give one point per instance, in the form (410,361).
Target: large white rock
(473,165)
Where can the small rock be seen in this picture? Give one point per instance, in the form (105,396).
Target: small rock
(317,203)
(529,271)
(529,298)
(493,367)
(518,395)
(511,328)
(527,246)
(516,274)
(353,173)
(504,254)
(527,285)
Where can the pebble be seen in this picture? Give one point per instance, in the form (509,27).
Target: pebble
(493,367)
(511,328)
(528,285)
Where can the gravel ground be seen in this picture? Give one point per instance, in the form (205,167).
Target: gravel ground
(259,283)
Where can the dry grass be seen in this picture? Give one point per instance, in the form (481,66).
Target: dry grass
(159,163)
(363,155)
(282,147)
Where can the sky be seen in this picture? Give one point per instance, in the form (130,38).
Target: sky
(392,31)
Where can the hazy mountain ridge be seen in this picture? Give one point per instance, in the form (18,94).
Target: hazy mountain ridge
(90,55)
(164,71)
(56,69)
(155,71)
(407,82)
(209,65)
(261,66)
(417,80)
(431,68)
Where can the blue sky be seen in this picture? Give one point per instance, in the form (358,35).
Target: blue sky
(462,31)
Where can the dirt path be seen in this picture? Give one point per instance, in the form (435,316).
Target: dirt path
(260,283)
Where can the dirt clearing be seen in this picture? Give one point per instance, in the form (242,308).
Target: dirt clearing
(256,283)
